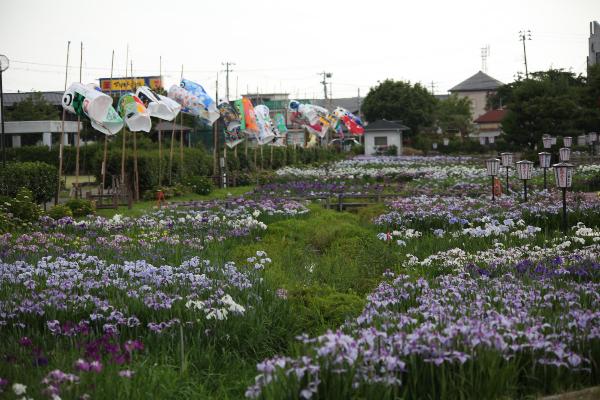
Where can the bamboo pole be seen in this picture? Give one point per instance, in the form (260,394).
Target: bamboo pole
(216,136)
(136,176)
(181,138)
(124,129)
(171,155)
(62,134)
(271,160)
(112,63)
(159,158)
(78,129)
(160,132)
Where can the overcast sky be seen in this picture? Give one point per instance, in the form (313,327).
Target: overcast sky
(282,45)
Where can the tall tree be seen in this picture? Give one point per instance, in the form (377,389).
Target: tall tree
(33,108)
(454,114)
(413,105)
(549,102)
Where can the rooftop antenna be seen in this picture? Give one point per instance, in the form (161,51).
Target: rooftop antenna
(485,53)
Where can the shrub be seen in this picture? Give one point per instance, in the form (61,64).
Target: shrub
(22,209)
(59,211)
(80,207)
(38,177)
(391,151)
(199,184)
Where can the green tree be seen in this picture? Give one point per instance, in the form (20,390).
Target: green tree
(33,108)
(454,114)
(549,102)
(413,105)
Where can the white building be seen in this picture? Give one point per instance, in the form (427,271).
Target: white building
(594,56)
(477,89)
(381,135)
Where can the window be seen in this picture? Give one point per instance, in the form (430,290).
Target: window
(380,140)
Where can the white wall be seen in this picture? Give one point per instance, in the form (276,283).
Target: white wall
(393,138)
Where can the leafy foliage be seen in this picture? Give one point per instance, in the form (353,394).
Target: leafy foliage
(33,108)
(553,102)
(80,207)
(454,114)
(38,177)
(398,100)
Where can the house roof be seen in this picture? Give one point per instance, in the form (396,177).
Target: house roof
(10,99)
(492,116)
(385,125)
(168,126)
(349,103)
(478,82)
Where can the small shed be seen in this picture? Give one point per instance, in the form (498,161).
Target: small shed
(381,135)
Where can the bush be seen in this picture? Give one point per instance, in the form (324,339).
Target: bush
(21,209)
(80,207)
(59,211)
(391,151)
(199,184)
(39,178)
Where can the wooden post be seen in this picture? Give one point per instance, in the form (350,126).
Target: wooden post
(136,176)
(171,156)
(271,160)
(78,130)
(216,136)
(123,156)
(62,134)
(159,158)
(181,146)
(104,156)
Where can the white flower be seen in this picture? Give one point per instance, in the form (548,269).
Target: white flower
(19,388)
(256,213)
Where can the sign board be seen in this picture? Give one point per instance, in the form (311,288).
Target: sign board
(129,84)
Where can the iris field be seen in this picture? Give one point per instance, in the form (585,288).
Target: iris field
(437,293)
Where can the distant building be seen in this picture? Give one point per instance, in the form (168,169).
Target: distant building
(381,135)
(489,126)
(477,89)
(594,56)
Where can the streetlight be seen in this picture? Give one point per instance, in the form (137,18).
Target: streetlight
(493,166)
(506,163)
(547,140)
(592,138)
(524,170)
(567,141)
(564,154)
(563,174)
(3,67)
(545,164)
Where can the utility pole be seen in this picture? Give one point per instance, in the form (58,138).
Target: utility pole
(227,71)
(324,82)
(432,87)
(523,36)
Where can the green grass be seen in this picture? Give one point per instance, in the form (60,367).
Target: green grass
(143,207)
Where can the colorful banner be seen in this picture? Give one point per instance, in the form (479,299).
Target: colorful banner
(239,105)
(230,116)
(250,117)
(88,101)
(280,123)
(210,113)
(134,113)
(265,126)
(129,84)
(157,105)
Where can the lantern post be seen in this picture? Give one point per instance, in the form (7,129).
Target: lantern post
(545,164)
(524,172)
(506,163)
(563,174)
(493,167)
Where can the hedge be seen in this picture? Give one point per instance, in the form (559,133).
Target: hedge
(40,178)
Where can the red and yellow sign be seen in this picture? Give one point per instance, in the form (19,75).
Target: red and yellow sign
(129,84)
